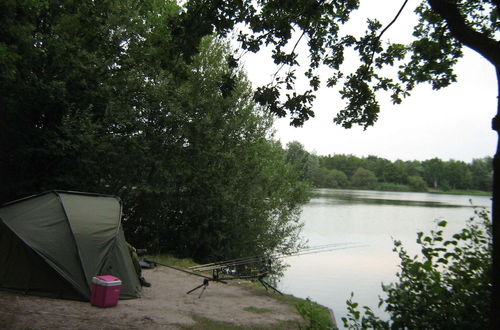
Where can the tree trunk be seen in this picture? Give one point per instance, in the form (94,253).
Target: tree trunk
(490,49)
(495,302)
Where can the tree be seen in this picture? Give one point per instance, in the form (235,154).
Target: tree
(401,171)
(325,178)
(409,175)
(458,175)
(298,156)
(363,178)
(447,286)
(222,189)
(434,172)
(304,163)
(80,86)
(312,166)
(482,170)
(382,168)
(106,97)
(345,163)
(43,70)
(417,183)
(444,27)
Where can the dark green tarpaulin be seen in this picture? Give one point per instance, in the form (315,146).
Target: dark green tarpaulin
(54,243)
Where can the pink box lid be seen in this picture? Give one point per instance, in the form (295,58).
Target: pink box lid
(106,280)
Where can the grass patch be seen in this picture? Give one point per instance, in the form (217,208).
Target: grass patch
(257,310)
(315,315)
(208,324)
(172,261)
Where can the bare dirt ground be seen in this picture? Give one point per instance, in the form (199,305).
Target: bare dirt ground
(165,305)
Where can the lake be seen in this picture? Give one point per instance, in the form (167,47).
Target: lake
(372,219)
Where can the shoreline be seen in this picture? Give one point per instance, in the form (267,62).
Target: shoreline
(165,305)
(430,191)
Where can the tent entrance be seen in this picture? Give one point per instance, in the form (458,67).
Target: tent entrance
(23,270)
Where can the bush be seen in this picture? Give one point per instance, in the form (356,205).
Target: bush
(364,178)
(314,314)
(447,287)
(325,178)
(388,186)
(417,183)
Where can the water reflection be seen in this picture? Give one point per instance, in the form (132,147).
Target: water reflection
(373,219)
(335,196)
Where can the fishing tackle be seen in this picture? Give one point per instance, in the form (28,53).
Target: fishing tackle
(247,268)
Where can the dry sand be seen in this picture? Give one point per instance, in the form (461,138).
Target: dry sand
(165,305)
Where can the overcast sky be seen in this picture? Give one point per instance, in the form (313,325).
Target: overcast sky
(452,123)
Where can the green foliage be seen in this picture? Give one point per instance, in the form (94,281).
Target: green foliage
(384,186)
(356,320)
(224,190)
(417,183)
(364,178)
(325,178)
(442,30)
(209,324)
(315,315)
(301,160)
(482,173)
(206,323)
(331,172)
(448,286)
(257,310)
(74,99)
(173,261)
(305,163)
(119,97)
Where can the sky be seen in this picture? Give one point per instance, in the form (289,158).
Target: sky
(452,123)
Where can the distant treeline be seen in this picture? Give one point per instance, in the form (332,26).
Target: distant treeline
(372,172)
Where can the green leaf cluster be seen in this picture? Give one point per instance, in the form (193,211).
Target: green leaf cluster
(447,286)
(439,35)
(120,97)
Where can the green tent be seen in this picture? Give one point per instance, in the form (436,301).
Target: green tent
(52,244)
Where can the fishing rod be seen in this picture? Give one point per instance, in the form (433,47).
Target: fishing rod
(223,271)
(320,249)
(335,249)
(262,258)
(206,279)
(153,262)
(227,267)
(225,262)
(229,263)
(257,259)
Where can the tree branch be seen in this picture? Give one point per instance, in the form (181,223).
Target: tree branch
(393,20)
(448,10)
(293,50)
(383,31)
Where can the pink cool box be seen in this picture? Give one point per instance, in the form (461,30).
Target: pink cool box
(105,290)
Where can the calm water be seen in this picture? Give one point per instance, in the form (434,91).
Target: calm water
(374,219)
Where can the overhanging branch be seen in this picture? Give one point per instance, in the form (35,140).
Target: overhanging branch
(448,10)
